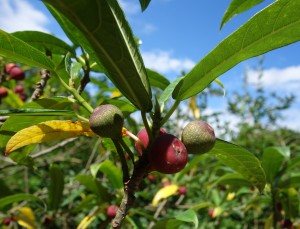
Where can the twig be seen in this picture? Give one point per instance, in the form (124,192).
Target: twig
(158,211)
(39,87)
(140,169)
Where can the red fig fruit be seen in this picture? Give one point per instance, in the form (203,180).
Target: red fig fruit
(16,73)
(111,211)
(144,138)
(167,154)
(3,92)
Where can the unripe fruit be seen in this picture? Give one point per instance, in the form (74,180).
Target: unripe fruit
(19,89)
(107,121)
(111,211)
(3,92)
(16,73)
(198,137)
(182,190)
(167,154)
(143,136)
(9,66)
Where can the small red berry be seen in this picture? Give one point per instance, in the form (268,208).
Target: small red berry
(111,211)
(151,177)
(182,190)
(9,66)
(16,73)
(6,221)
(143,136)
(211,213)
(19,89)
(167,154)
(3,92)
(23,96)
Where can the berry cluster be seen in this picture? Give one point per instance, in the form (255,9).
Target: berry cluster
(167,154)
(13,72)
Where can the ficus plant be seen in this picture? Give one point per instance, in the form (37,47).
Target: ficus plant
(100,33)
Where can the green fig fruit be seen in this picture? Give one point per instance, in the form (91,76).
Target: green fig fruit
(107,121)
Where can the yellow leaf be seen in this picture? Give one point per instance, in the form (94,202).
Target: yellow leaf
(164,192)
(86,222)
(230,196)
(194,107)
(48,131)
(25,218)
(116,93)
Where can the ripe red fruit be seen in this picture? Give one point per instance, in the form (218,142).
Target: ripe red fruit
(6,221)
(143,136)
(9,66)
(198,137)
(111,211)
(19,89)
(167,154)
(286,223)
(182,190)
(151,177)
(16,73)
(3,92)
(166,183)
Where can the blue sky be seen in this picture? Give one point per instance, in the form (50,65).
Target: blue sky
(176,34)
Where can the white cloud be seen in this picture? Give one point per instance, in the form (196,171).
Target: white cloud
(130,7)
(16,15)
(164,62)
(285,79)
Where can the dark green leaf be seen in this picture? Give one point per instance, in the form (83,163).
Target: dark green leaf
(168,224)
(292,181)
(45,42)
(104,33)
(157,80)
(240,160)
(56,187)
(290,200)
(237,7)
(17,198)
(274,27)
(35,112)
(144,4)
(94,186)
(112,172)
(19,51)
(272,159)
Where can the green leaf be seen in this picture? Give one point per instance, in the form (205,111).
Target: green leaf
(144,4)
(236,180)
(72,68)
(17,198)
(168,224)
(19,51)
(274,27)
(36,112)
(167,93)
(56,187)
(16,123)
(189,216)
(240,160)
(157,80)
(292,181)
(112,172)
(102,30)
(237,7)
(290,200)
(272,160)
(44,42)
(94,186)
